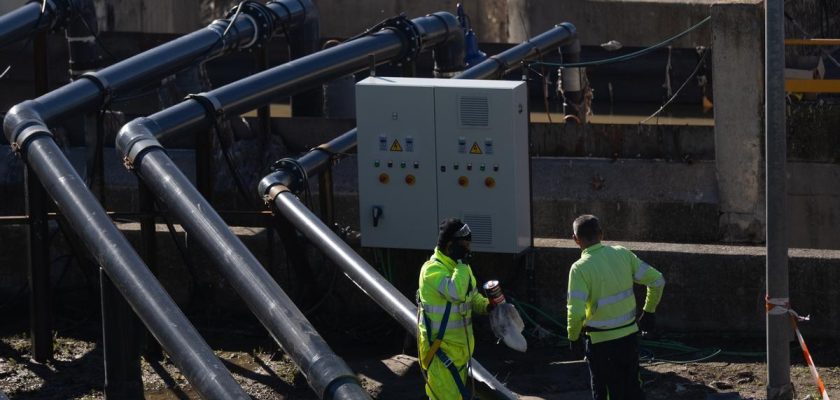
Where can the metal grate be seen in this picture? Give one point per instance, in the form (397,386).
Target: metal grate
(481,227)
(475,111)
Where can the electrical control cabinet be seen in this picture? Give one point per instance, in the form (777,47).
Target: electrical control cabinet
(435,148)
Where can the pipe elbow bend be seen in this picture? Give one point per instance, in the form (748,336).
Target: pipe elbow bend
(135,138)
(20,117)
(570,28)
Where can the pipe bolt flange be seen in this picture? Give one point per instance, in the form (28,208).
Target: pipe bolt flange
(261,19)
(295,170)
(411,36)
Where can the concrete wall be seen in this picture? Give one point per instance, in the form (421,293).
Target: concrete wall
(711,289)
(151,16)
(738,84)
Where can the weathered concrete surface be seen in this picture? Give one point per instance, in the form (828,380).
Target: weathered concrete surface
(737,37)
(343,18)
(642,199)
(637,197)
(812,131)
(664,142)
(711,289)
(159,16)
(813,205)
(633,23)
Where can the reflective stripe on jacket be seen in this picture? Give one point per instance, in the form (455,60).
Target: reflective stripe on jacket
(442,280)
(600,294)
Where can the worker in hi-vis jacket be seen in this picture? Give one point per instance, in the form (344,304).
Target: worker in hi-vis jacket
(447,298)
(601,304)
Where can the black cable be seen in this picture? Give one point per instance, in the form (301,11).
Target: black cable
(231,167)
(92,33)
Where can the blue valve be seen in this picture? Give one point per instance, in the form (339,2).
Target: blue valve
(473,54)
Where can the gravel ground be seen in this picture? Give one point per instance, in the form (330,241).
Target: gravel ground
(546,371)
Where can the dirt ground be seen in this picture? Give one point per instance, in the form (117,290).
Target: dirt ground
(671,370)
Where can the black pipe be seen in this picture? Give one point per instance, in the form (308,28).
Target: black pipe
(123,265)
(400,41)
(572,85)
(303,42)
(327,374)
(28,20)
(25,126)
(495,67)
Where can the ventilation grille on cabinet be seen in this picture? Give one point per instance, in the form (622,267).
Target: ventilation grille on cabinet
(474,111)
(481,227)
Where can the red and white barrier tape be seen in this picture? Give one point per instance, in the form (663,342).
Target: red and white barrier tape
(777,306)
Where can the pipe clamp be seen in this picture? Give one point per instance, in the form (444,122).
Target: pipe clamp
(138,146)
(21,139)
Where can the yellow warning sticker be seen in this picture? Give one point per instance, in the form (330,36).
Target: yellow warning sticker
(396,146)
(475,149)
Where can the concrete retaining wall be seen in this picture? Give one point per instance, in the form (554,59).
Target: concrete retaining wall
(711,289)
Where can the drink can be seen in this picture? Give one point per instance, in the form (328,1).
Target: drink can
(494,292)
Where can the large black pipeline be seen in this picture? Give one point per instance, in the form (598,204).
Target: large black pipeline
(293,175)
(255,23)
(29,20)
(495,67)
(400,39)
(112,251)
(327,374)
(26,127)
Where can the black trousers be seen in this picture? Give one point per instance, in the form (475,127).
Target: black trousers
(614,369)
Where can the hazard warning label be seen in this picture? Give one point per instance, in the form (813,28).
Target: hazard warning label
(475,149)
(396,146)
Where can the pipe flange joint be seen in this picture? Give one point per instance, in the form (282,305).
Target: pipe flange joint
(22,138)
(102,84)
(411,37)
(297,174)
(260,16)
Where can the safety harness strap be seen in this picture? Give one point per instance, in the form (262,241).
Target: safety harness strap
(435,345)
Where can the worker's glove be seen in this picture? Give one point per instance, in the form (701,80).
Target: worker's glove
(647,323)
(576,347)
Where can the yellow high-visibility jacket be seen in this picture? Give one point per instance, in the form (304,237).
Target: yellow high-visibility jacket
(601,296)
(443,280)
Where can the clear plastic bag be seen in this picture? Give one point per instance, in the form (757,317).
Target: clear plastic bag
(507,325)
